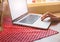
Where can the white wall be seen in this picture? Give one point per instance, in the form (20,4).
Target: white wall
(29,1)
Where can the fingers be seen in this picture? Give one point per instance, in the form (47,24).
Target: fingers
(48,14)
(45,16)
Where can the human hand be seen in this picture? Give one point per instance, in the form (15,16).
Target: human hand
(49,14)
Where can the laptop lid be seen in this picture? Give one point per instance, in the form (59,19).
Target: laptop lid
(17,8)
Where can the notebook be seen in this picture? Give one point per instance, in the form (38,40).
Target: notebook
(20,15)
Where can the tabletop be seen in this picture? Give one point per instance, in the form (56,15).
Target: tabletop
(54,38)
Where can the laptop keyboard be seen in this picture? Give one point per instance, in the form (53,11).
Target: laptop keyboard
(30,19)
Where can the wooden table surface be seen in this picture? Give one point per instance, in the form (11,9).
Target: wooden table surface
(54,38)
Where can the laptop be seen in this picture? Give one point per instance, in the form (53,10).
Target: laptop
(20,15)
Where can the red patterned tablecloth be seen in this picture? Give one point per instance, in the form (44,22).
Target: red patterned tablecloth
(15,33)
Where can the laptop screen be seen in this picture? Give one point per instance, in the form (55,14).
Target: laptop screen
(17,8)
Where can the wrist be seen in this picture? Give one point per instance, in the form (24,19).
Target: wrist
(58,18)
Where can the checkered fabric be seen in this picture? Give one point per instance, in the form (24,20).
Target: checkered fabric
(15,33)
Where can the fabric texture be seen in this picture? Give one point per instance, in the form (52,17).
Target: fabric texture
(19,33)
